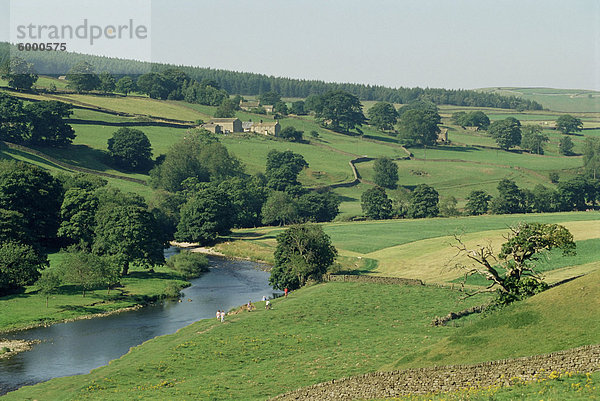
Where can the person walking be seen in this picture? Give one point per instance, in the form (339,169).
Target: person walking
(285,291)
(268,304)
(222,316)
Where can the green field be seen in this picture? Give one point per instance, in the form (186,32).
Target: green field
(569,100)
(29,309)
(328,331)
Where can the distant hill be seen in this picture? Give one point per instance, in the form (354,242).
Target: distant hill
(568,100)
(245,83)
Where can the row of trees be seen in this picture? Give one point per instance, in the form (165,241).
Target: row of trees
(256,84)
(577,193)
(36,123)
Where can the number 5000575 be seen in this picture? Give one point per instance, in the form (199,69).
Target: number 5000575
(42,47)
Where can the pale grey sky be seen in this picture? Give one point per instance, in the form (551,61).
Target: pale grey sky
(434,43)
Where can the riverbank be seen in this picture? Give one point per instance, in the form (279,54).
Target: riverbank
(231,251)
(10,348)
(141,287)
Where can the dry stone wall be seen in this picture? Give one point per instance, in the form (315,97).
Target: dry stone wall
(450,378)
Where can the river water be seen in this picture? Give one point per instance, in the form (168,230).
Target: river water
(80,346)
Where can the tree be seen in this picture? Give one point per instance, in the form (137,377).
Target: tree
(247,195)
(567,124)
(125,85)
(386,173)
(86,270)
(78,216)
(48,283)
(578,192)
(13,228)
(19,266)
(419,127)
(20,74)
(298,108)
(375,204)
(154,85)
(13,119)
(591,157)
(303,252)
(270,98)
(107,82)
(319,205)
(477,202)
(340,111)
(130,149)
(205,216)
(46,123)
(448,207)
(281,108)
(512,274)
(291,134)
(509,199)
(532,139)
(33,193)
(424,202)
(472,119)
(282,170)
(226,109)
(565,146)
(199,156)
(507,132)
(82,77)
(129,233)
(280,208)
(383,116)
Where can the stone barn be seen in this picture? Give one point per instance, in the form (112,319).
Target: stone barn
(266,128)
(228,125)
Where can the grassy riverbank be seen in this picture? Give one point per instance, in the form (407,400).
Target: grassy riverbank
(28,309)
(328,331)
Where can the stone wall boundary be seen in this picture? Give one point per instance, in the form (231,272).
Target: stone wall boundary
(502,372)
(371,279)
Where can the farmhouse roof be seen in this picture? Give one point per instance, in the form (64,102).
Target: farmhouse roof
(223,120)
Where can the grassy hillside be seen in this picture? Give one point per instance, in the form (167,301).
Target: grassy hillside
(570,100)
(328,331)
(473,161)
(422,248)
(563,317)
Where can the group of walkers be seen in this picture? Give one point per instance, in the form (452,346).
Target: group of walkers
(249,306)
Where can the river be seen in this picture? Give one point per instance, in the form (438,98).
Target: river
(80,346)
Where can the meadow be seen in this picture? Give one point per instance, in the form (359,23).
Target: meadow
(331,330)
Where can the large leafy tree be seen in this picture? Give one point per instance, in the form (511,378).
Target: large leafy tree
(82,77)
(567,124)
(471,119)
(107,82)
(565,146)
(375,204)
(13,119)
(303,252)
(19,73)
(128,233)
(130,149)
(78,216)
(507,132)
(386,173)
(280,208)
(205,216)
(509,199)
(20,265)
(33,193)
(125,85)
(340,111)
(318,206)
(247,197)
(512,273)
(419,126)
(533,139)
(87,270)
(477,202)
(423,202)
(282,170)
(270,98)
(47,125)
(383,115)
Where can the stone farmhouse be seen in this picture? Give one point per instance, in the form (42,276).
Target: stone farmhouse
(249,105)
(443,135)
(266,128)
(223,125)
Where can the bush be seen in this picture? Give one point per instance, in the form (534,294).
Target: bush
(172,291)
(189,264)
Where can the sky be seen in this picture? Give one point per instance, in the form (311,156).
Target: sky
(428,43)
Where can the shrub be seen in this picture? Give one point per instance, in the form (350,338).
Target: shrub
(190,264)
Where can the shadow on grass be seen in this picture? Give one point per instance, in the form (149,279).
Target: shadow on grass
(382,138)
(80,156)
(30,156)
